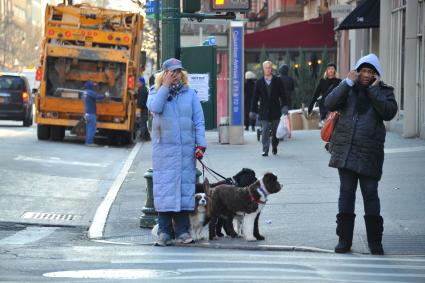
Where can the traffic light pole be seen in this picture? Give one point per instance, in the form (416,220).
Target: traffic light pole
(170,29)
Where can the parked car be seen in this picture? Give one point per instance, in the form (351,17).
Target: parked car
(16,98)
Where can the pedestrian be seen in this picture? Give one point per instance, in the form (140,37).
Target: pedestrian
(248,93)
(142,97)
(325,86)
(357,147)
(178,138)
(270,94)
(288,83)
(90,99)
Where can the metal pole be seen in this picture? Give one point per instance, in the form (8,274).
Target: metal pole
(157,39)
(170,29)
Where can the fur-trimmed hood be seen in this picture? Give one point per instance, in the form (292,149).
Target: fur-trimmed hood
(371,59)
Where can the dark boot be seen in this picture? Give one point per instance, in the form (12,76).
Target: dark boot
(374,229)
(344,229)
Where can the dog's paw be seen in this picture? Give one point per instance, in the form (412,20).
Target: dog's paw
(251,239)
(213,238)
(219,234)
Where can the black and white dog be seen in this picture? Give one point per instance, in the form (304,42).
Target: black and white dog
(228,200)
(199,217)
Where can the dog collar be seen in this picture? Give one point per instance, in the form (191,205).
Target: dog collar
(263,188)
(262,193)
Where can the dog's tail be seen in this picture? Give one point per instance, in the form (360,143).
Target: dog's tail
(206,186)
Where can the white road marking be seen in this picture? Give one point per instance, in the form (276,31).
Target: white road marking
(404,149)
(15,133)
(56,160)
(28,235)
(98,224)
(253,273)
(111,274)
(199,254)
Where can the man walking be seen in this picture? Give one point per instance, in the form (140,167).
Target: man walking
(90,98)
(142,97)
(270,94)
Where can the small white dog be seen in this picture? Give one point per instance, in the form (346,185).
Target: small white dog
(198,218)
(198,226)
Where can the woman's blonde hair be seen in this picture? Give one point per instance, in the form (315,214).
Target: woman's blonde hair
(325,75)
(159,77)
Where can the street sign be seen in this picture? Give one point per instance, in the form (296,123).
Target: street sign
(340,11)
(211,40)
(151,9)
(230,5)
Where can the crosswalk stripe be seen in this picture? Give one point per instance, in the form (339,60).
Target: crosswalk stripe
(28,235)
(53,160)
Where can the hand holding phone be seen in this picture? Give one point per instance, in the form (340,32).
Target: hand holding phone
(376,79)
(353,75)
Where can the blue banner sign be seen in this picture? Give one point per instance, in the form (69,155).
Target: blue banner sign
(236,72)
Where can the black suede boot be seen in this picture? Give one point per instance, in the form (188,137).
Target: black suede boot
(344,229)
(374,229)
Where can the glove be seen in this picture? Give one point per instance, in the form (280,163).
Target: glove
(199,152)
(310,108)
(252,116)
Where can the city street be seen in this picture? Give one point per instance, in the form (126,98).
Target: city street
(68,181)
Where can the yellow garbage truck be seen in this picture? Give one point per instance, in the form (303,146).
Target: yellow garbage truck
(82,42)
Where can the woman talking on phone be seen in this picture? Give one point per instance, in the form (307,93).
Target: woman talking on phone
(178,138)
(357,148)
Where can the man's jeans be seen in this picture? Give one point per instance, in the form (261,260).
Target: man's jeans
(144,132)
(266,127)
(181,223)
(347,192)
(90,128)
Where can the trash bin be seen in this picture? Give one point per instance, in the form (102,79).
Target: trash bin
(223,132)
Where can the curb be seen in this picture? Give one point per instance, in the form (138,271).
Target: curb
(209,245)
(99,220)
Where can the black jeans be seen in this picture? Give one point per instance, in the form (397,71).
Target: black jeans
(269,128)
(322,109)
(347,192)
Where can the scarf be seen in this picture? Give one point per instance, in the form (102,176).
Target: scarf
(175,88)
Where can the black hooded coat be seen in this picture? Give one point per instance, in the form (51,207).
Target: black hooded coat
(358,139)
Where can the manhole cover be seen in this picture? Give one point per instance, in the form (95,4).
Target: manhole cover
(50,216)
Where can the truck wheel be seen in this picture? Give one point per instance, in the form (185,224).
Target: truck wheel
(113,138)
(129,138)
(57,133)
(43,132)
(27,121)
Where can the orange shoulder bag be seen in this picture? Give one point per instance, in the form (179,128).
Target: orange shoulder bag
(328,127)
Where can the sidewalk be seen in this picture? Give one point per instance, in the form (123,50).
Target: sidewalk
(302,215)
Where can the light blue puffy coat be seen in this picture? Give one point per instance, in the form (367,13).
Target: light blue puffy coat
(177,128)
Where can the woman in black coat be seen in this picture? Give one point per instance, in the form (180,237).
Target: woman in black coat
(250,79)
(325,86)
(357,147)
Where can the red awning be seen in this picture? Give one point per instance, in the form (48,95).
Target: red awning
(314,33)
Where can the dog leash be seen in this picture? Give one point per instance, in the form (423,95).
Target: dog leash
(212,172)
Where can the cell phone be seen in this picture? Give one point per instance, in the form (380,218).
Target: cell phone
(373,79)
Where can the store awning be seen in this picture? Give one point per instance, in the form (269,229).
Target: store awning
(365,15)
(314,33)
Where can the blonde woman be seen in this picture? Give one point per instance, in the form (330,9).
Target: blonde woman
(325,86)
(178,139)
